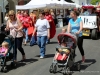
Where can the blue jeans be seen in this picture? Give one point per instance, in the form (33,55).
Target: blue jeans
(26,34)
(33,41)
(47,41)
(41,41)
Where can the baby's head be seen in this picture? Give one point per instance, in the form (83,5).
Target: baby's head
(5,44)
(64,30)
(63,44)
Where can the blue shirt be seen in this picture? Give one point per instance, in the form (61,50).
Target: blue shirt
(75,26)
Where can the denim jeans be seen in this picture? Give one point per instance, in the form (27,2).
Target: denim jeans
(33,41)
(41,41)
(26,34)
(47,41)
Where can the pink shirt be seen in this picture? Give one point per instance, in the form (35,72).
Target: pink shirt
(13,26)
(2,50)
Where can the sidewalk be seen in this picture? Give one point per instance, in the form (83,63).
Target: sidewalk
(63,27)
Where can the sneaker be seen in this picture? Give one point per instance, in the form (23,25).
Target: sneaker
(41,57)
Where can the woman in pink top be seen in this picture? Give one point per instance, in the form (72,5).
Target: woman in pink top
(15,27)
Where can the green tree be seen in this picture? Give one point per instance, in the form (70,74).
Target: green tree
(94,1)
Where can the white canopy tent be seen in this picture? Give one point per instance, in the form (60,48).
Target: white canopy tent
(30,7)
(78,6)
(35,4)
(63,4)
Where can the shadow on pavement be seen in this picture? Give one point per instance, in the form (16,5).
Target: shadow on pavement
(83,66)
(87,63)
(47,56)
(53,42)
(21,64)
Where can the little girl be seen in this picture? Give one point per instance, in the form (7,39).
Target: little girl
(4,48)
(64,30)
(63,52)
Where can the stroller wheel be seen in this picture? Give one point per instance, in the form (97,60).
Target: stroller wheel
(78,66)
(66,71)
(4,69)
(1,63)
(51,69)
(1,69)
(55,69)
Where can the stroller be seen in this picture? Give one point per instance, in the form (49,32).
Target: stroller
(69,60)
(9,55)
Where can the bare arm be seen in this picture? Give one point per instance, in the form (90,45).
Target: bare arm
(20,26)
(81,27)
(48,33)
(7,27)
(50,20)
(34,31)
(68,28)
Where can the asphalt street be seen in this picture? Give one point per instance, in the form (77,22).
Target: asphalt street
(33,65)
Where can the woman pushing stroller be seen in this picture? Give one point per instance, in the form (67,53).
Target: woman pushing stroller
(75,26)
(15,27)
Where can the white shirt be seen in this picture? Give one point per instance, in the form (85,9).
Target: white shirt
(42,26)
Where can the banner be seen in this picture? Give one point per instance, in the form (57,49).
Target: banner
(89,21)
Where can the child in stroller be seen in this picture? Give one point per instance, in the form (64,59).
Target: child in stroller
(5,52)
(4,48)
(62,51)
(65,54)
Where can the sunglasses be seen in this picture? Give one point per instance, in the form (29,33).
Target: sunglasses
(11,15)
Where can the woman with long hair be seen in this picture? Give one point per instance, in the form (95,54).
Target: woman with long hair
(75,26)
(15,27)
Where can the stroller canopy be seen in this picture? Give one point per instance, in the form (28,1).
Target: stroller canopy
(73,37)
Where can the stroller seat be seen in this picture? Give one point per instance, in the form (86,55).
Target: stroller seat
(62,52)
(60,56)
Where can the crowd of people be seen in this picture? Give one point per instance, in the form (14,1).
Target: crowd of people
(36,29)
(32,28)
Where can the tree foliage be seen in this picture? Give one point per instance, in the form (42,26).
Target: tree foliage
(94,1)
